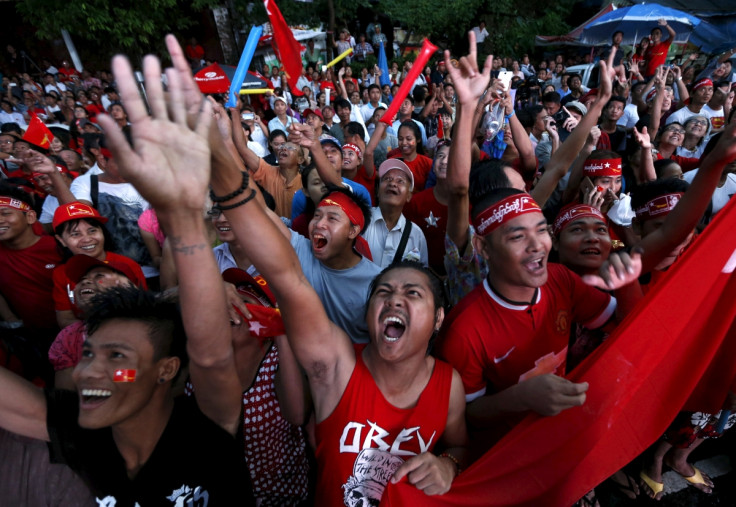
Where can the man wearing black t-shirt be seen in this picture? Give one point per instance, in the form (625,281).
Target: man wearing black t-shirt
(123,431)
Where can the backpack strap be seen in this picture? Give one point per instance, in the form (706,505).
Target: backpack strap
(94,190)
(404,240)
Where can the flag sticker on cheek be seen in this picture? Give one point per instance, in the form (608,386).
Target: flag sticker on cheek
(124,376)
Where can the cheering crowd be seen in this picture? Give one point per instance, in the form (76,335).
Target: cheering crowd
(295,299)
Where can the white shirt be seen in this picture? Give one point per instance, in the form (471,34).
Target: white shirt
(683,114)
(383,243)
(480,35)
(722,194)
(630,116)
(366,110)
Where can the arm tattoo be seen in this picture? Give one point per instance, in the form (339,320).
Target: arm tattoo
(178,247)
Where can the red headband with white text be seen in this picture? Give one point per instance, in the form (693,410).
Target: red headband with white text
(658,207)
(9,202)
(501,212)
(602,167)
(574,212)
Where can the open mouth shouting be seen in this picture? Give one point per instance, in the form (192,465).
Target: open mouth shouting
(536,265)
(319,242)
(590,251)
(393,328)
(92,398)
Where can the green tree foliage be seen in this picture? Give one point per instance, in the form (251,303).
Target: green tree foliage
(132,26)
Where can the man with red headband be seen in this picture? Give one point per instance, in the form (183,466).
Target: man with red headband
(336,271)
(27,263)
(509,337)
(700,95)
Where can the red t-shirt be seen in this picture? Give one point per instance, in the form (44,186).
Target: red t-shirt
(495,344)
(420,167)
(26,282)
(687,163)
(62,282)
(365,439)
(431,216)
(656,55)
(369,183)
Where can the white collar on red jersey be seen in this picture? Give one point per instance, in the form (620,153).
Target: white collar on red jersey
(498,298)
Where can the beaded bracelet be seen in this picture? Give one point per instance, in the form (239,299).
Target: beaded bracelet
(233,194)
(453,459)
(240,203)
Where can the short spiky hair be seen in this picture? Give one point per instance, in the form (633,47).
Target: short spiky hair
(160,315)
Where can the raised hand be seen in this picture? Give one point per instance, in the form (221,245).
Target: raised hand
(643,138)
(469,82)
(620,269)
(169,163)
(301,134)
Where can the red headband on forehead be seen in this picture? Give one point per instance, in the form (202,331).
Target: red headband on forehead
(573,212)
(501,212)
(353,147)
(345,203)
(9,202)
(701,83)
(602,167)
(658,207)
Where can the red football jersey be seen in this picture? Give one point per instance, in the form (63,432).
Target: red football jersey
(495,344)
(365,439)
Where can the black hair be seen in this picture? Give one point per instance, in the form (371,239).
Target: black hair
(532,112)
(551,97)
(574,75)
(276,133)
(161,315)
(492,198)
(365,208)
(342,103)
(354,128)
(486,176)
(9,127)
(419,94)
(415,131)
(435,284)
(661,165)
(8,189)
(615,98)
(374,85)
(645,192)
(310,206)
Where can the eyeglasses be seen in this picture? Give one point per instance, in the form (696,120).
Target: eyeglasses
(214,213)
(289,147)
(6,142)
(699,122)
(675,131)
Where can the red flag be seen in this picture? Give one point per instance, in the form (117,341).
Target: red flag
(124,376)
(440,127)
(38,133)
(675,351)
(287,49)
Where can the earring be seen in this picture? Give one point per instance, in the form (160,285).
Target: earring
(161,380)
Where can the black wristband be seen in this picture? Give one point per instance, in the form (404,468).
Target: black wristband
(231,195)
(240,203)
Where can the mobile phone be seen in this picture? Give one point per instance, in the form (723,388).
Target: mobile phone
(505,77)
(586,185)
(247,116)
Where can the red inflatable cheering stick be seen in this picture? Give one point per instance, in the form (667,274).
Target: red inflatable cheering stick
(428,49)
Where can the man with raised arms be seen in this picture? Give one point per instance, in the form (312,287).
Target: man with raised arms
(123,431)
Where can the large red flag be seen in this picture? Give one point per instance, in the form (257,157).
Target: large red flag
(676,351)
(287,49)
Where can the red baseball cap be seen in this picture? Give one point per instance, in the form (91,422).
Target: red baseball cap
(79,265)
(75,211)
(316,112)
(257,288)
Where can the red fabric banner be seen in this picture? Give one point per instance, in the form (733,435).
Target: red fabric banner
(288,50)
(675,351)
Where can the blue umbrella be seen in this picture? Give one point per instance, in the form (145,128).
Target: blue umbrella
(637,22)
